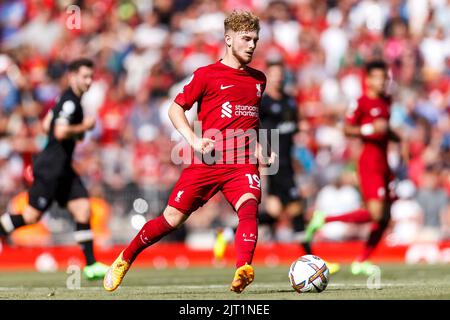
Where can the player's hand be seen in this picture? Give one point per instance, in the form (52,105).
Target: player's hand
(380,125)
(267,161)
(203,145)
(273,157)
(89,123)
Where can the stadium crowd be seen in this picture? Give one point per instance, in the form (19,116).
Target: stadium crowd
(145,50)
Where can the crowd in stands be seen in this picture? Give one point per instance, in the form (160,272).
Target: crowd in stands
(144,51)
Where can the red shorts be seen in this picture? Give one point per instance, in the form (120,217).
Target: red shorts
(199,183)
(376,185)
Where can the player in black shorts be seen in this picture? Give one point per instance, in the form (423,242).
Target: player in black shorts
(54,176)
(279,111)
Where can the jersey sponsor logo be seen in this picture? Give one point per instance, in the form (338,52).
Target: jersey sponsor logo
(179,194)
(246,111)
(226,110)
(258,90)
(222,87)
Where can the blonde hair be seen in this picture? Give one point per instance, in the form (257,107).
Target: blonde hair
(241,21)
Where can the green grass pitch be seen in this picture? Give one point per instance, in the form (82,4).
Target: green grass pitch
(397,282)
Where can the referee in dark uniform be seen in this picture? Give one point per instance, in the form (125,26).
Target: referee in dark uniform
(279,111)
(54,176)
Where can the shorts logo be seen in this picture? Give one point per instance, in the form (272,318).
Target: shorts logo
(226,110)
(42,202)
(179,194)
(258,90)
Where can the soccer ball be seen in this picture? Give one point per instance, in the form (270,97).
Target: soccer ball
(309,273)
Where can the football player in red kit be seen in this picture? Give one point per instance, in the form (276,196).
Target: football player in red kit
(228,94)
(369,120)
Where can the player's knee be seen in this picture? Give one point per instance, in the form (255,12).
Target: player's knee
(174,217)
(376,210)
(31,215)
(81,210)
(248,210)
(274,206)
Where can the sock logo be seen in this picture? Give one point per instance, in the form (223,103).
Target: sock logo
(144,239)
(249,239)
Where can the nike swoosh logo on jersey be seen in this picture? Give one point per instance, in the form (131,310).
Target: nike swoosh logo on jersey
(222,87)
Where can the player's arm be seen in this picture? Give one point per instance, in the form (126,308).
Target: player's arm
(63,130)
(180,122)
(403,145)
(378,126)
(47,121)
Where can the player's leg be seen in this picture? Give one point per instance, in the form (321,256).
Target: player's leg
(242,189)
(245,241)
(375,191)
(191,191)
(73,194)
(40,197)
(380,212)
(10,222)
(369,184)
(271,212)
(81,211)
(153,231)
(319,219)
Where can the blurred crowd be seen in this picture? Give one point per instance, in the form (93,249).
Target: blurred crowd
(144,51)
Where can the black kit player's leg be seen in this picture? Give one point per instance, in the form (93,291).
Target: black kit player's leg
(40,198)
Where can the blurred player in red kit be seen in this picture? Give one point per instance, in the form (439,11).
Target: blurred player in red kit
(369,120)
(228,94)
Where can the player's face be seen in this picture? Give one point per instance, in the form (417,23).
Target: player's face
(275,76)
(243,45)
(376,80)
(83,78)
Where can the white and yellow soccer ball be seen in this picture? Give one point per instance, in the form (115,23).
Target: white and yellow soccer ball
(309,273)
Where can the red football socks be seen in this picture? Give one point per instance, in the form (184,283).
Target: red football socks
(150,233)
(247,232)
(357,216)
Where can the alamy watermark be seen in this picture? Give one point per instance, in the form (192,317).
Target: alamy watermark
(374,280)
(73,281)
(73,21)
(231,146)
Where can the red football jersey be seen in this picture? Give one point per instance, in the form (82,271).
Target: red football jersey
(366,111)
(228,106)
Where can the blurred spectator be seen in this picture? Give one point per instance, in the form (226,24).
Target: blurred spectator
(406,214)
(432,198)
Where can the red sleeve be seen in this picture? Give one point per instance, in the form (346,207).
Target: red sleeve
(192,91)
(354,113)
